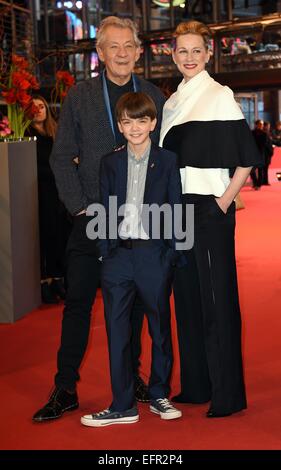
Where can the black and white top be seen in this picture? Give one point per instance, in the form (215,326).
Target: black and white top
(204,125)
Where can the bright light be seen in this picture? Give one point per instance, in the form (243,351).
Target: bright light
(59,4)
(68,4)
(166,3)
(79,4)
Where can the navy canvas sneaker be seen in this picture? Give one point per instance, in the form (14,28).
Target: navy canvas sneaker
(107,417)
(164,408)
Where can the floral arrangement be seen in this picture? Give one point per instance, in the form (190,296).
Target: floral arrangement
(16,92)
(64,81)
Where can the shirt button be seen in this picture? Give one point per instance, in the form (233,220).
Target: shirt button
(135,181)
(134,198)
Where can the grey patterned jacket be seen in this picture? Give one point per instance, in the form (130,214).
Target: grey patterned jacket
(84,131)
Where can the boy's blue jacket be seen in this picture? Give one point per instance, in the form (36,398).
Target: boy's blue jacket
(162,186)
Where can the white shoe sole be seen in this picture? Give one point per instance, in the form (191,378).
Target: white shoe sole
(96,423)
(171,415)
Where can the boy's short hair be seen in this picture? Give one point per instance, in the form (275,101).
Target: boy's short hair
(135,105)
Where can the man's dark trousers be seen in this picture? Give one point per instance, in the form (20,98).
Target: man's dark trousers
(144,270)
(83,278)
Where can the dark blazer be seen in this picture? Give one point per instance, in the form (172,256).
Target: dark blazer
(84,131)
(162,186)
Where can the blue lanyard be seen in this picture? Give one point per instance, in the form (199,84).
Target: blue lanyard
(107,101)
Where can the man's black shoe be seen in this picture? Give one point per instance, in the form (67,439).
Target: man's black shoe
(47,295)
(58,288)
(141,390)
(213,414)
(181,398)
(59,402)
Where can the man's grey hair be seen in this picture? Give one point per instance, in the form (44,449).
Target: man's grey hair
(118,23)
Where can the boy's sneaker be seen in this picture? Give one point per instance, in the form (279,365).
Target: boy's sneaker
(164,408)
(107,417)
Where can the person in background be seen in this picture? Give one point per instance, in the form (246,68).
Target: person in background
(276,134)
(53,221)
(268,152)
(88,130)
(267,128)
(259,174)
(203,124)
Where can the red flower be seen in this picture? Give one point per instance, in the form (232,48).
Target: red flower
(64,81)
(19,62)
(19,81)
(65,77)
(34,83)
(10,96)
(23,98)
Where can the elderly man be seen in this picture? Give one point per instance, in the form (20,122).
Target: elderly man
(88,129)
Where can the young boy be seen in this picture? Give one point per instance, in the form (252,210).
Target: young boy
(136,262)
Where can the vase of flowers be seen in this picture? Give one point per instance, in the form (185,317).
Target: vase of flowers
(16,89)
(19,237)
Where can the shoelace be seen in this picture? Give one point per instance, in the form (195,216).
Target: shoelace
(102,413)
(165,403)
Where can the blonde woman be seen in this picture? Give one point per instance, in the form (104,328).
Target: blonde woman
(203,124)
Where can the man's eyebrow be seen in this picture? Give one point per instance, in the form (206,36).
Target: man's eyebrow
(130,41)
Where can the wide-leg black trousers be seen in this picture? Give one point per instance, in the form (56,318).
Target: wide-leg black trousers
(208,313)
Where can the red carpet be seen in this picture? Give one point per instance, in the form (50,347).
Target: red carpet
(28,354)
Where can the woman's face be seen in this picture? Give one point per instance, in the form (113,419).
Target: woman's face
(42,112)
(190,55)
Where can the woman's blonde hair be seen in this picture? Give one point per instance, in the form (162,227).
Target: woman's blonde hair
(50,125)
(118,23)
(194,27)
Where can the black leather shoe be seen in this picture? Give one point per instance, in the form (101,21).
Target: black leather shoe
(180,398)
(213,414)
(59,402)
(141,390)
(58,289)
(47,295)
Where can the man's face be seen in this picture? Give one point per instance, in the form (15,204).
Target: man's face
(119,54)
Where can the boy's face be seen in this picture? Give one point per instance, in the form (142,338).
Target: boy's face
(136,131)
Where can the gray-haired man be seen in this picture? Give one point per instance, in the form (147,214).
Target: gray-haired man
(88,129)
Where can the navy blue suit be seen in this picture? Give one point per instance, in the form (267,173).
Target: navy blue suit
(144,270)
